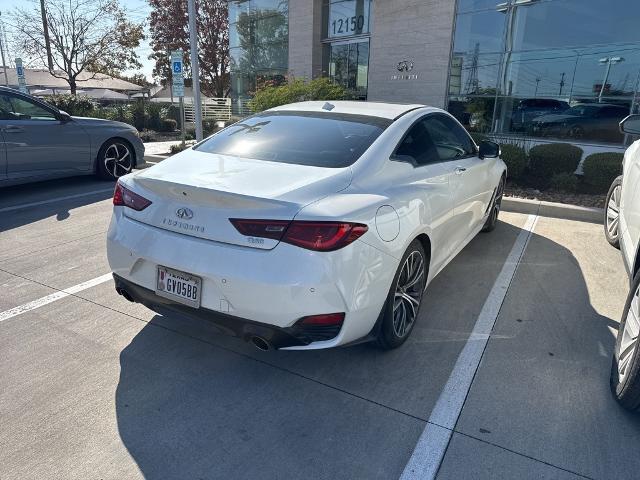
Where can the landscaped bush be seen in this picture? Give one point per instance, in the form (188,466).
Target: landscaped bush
(547,160)
(516,159)
(167,125)
(564,182)
(478,137)
(600,169)
(79,105)
(155,113)
(297,90)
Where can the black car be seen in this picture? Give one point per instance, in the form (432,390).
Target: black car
(528,109)
(597,121)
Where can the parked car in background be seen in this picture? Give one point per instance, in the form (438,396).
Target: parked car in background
(529,108)
(592,121)
(321,223)
(42,142)
(622,229)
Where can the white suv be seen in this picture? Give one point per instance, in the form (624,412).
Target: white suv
(622,229)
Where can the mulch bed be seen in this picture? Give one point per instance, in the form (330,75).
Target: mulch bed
(580,199)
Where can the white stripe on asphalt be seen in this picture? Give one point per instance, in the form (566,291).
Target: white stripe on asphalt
(40,302)
(432,445)
(54,200)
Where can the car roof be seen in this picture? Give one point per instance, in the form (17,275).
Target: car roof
(373,109)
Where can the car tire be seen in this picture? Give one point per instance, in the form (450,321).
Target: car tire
(115,159)
(398,317)
(612,213)
(625,368)
(492,219)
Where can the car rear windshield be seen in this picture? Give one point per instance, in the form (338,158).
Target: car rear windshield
(319,139)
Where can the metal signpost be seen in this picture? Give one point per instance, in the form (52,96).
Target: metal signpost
(195,68)
(177,85)
(22,82)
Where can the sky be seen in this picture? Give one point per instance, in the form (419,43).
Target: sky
(138,12)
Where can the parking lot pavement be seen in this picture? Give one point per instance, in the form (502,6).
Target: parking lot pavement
(97,387)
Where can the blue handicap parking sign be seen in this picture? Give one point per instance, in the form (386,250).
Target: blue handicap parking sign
(19,70)
(177,67)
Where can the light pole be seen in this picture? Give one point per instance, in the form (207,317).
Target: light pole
(608,61)
(195,69)
(4,63)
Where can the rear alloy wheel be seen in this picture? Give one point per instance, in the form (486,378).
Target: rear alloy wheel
(403,302)
(612,213)
(115,159)
(625,370)
(492,220)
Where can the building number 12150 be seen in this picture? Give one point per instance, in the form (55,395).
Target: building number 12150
(353,24)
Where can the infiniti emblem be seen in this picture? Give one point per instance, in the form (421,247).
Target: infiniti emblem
(405,66)
(184,213)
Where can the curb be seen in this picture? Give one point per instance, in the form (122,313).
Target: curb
(553,210)
(156,158)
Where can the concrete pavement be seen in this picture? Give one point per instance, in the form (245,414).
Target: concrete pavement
(96,387)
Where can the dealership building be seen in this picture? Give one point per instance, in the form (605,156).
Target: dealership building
(536,69)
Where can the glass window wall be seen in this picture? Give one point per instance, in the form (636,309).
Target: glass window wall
(560,69)
(259,45)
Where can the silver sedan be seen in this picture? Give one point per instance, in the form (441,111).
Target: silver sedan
(41,142)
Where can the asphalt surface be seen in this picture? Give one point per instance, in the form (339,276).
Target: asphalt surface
(94,387)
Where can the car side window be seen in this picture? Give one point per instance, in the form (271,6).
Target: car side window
(16,108)
(450,139)
(418,146)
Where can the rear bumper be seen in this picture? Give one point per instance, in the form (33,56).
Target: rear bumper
(228,324)
(269,289)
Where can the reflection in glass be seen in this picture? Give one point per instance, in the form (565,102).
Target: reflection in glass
(349,65)
(565,69)
(482,32)
(258,37)
(348,17)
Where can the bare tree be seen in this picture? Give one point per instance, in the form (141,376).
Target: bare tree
(87,37)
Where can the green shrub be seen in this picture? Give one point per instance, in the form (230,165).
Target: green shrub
(600,169)
(547,160)
(167,125)
(297,90)
(516,159)
(79,105)
(478,137)
(155,113)
(564,182)
(177,148)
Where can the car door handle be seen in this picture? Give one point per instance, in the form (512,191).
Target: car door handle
(460,170)
(13,129)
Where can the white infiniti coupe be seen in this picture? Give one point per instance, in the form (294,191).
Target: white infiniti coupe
(306,226)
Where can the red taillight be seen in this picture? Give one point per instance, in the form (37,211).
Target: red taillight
(319,236)
(324,320)
(261,228)
(123,197)
(323,236)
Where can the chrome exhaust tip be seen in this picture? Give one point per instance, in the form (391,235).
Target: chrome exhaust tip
(260,343)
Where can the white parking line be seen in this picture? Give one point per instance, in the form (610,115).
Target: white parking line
(53,200)
(432,445)
(40,302)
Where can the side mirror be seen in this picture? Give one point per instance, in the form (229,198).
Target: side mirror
(631,125)
(64,116)
(489,149)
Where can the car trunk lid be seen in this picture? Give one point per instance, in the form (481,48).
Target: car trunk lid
(196,193)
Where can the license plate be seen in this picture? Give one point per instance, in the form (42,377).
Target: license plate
(179,286)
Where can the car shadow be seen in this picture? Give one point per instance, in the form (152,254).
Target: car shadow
(81,190)
(191,403)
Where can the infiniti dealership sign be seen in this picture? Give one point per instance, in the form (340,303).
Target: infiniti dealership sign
(404,67)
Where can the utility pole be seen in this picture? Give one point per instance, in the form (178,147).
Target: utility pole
(537,83)
(45,29)
(561,84)
(195,70)
(4,64)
